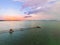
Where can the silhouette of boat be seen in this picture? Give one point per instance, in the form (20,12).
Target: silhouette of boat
(11,31)
(38,27)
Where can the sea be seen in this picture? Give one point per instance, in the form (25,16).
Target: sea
(27,33)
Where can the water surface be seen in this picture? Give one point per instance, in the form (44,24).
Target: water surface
(48,34)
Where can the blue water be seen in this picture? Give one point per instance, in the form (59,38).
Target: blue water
(48,34)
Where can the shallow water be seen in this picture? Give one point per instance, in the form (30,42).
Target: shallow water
(48,34)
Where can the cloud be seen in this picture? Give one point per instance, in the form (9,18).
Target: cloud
(55,9)
(53,12)
(48,9)
(41,16)
(36,5)
(20,0)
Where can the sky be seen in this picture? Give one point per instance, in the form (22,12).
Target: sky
(29,9)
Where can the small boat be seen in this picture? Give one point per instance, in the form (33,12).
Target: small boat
(11,31)
(38,27)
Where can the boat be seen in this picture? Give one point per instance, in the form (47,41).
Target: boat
(11,31)
(38,27)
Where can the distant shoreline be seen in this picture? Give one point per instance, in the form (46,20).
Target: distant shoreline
(29,20)
(10,20)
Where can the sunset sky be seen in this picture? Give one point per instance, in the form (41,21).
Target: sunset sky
(33,9)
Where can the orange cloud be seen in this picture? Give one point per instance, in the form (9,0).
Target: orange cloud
(13,18)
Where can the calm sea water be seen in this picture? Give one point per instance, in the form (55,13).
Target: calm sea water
(6,25)
(48,34)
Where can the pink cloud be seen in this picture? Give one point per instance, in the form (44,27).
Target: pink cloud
(40,17)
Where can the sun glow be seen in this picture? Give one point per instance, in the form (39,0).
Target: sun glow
(13,18)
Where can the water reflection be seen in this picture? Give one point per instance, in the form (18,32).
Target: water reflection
(6,25)
(11,36)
